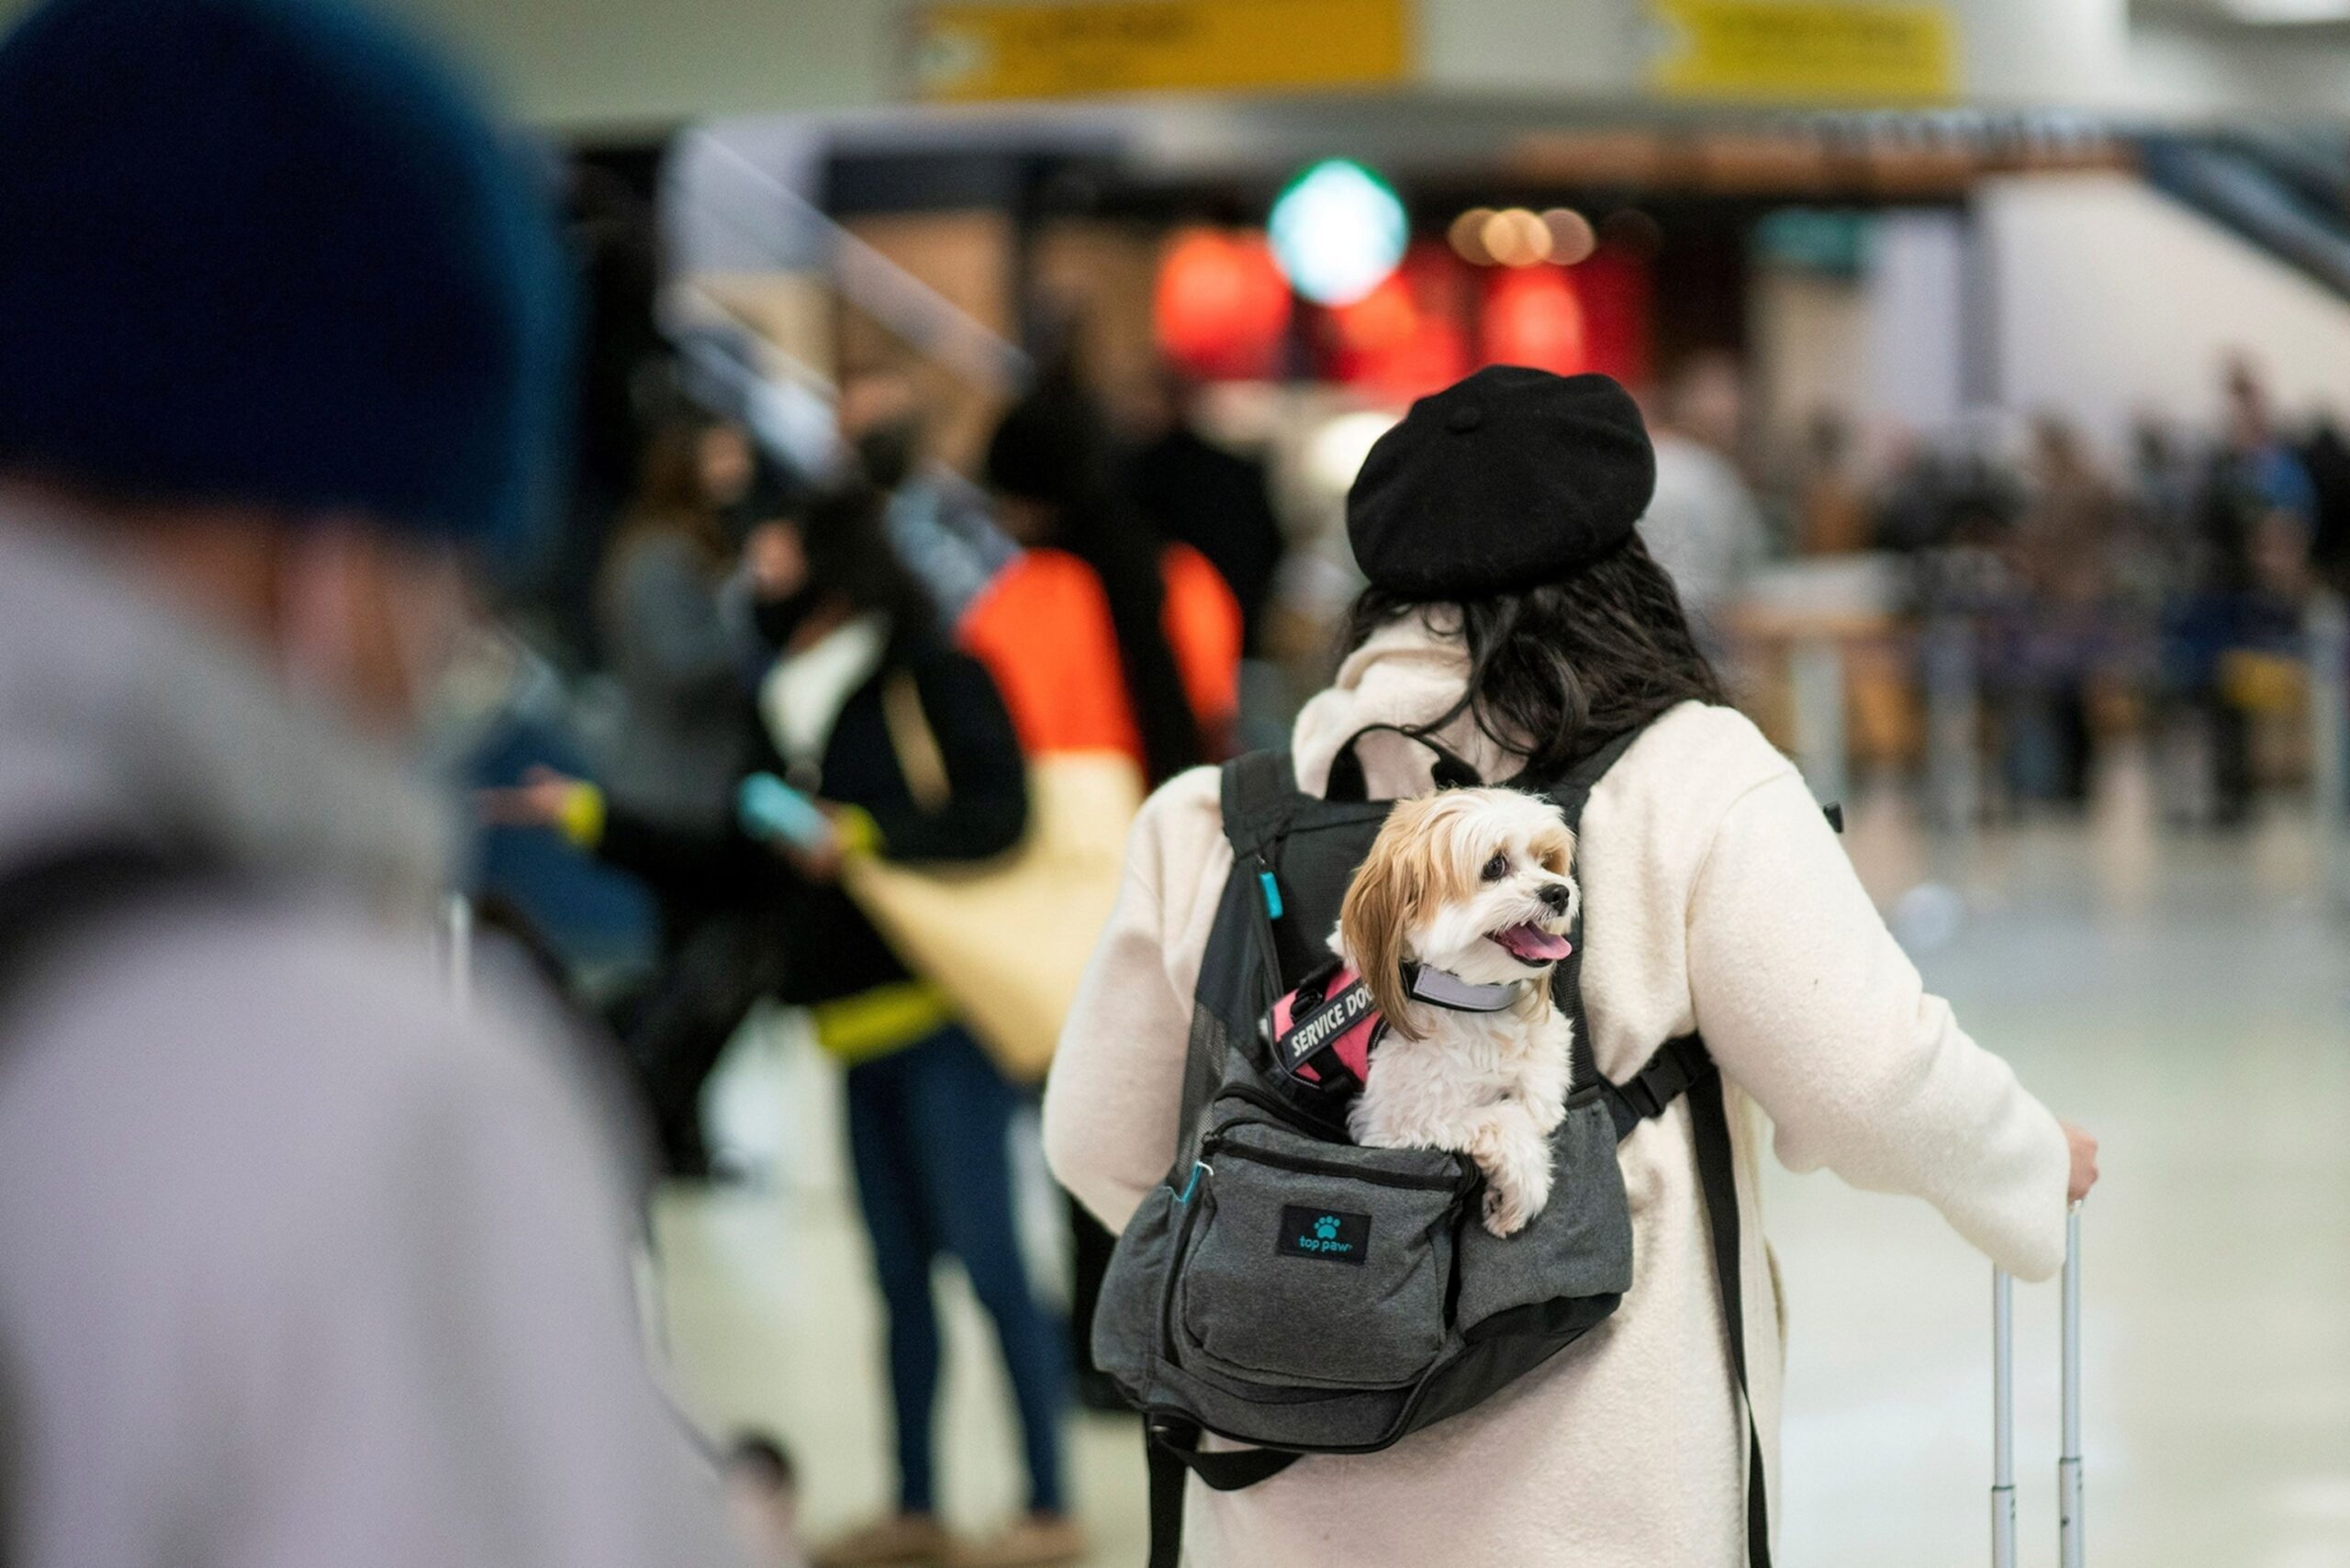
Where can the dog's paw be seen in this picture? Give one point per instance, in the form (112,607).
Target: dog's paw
(1506,1212)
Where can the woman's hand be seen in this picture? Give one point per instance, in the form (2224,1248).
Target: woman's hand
(542,800)
(2084,1175)
(818,862)
(774,561)
(821,863)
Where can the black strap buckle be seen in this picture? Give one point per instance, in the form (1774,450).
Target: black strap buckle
(1665,1077)
(1643,1097)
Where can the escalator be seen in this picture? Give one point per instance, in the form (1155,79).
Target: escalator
(2284,190)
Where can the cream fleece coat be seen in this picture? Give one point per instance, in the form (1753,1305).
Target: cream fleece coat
(1718,898)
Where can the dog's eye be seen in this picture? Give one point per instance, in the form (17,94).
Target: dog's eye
(1496,868)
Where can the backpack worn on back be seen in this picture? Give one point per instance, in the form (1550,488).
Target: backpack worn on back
(1290,1290)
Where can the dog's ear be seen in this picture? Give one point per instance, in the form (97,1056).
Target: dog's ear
(1556,848)
(1380,907)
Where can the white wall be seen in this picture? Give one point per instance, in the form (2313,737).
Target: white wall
(1916,319)
(1811,346)
(2262,72)
(2108,297)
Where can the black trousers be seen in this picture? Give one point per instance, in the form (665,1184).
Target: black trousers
(718,967)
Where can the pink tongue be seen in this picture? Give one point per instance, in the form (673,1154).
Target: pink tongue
(1533,943)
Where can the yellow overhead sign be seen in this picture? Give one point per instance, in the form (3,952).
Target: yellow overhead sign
(1863,52)
(1035,49)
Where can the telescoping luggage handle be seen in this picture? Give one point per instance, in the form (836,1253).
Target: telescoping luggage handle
(456,944)
(2003,1412)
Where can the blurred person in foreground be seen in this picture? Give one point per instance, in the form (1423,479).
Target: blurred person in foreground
(864,698)
(1103,638)
(1702,525)
(300,1261)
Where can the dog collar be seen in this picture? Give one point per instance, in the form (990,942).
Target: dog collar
(1441,988)
(1323,1032)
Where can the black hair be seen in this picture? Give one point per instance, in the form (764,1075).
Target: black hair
(850,553)
(1054,447)
(1558,670)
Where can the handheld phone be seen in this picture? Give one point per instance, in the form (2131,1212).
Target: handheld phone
(768,807)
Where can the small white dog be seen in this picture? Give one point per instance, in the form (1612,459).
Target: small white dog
(1454,922)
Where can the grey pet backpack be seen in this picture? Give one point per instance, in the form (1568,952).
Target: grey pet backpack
(1288,1290)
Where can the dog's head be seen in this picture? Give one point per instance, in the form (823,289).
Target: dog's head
(1476,882)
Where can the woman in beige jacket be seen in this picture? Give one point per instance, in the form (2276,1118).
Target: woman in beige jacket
(1718,899)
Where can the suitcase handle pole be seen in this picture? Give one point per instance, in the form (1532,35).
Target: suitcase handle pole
(2003,1421)
(2003,1412)
(457,950)
(2068,1462)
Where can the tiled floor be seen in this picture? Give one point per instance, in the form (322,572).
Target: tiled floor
(2185,998)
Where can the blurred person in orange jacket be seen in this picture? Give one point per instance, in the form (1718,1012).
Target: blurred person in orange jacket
(1201,493)
(1103,636)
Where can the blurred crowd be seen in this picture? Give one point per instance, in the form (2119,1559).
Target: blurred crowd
(1100,581)
(2162,594)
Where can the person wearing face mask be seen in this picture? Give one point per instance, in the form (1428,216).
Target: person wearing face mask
(303,1258)
(671,609)
(878,737)
(661,611)
(937,521)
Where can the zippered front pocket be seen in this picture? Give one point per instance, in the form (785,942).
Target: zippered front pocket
(1316,1264)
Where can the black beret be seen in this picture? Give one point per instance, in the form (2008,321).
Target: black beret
(1506,479)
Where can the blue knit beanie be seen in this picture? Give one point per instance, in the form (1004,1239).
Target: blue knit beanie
(271,251)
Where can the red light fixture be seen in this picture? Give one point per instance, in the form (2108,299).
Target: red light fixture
(1533,317)
(1222,308)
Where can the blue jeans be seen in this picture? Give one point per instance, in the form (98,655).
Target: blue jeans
(926,1132)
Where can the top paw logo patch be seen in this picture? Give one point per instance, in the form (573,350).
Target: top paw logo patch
(1331,1235)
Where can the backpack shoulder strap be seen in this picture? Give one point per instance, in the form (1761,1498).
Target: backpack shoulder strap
(46,899)
(1679,1068)
(1572,794)
(1259,791)
(1170,1452)
(1683,1067)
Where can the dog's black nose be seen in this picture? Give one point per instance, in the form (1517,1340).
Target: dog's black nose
(1556,898)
